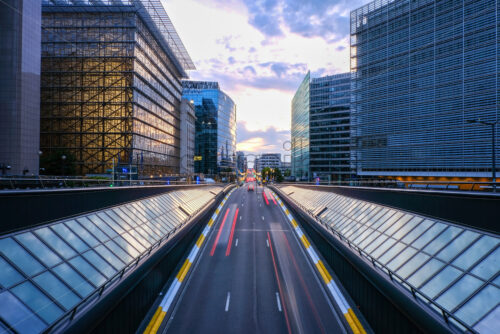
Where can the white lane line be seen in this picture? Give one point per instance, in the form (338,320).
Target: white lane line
(262,217)
(267,242)
(227,300)
(241,217)
(236,243)
(278,301)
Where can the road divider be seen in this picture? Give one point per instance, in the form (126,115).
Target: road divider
(350,316)
(166,302)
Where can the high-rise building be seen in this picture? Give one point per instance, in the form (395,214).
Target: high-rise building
(188,133)
(20,30)
(329,127)
(215,127)
(321,128)
(421,70)
(111,85)
(241,162)
(300,130)
(269,160)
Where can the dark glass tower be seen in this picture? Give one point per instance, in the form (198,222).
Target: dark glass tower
(215,128)
(111,86)
(420,71)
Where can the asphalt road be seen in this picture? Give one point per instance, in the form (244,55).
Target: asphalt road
(253,276)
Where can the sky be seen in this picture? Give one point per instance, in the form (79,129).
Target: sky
(259,51)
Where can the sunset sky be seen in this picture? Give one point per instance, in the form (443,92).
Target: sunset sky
(259,52)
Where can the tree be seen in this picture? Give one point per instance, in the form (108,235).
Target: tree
(278,177)
(54,164)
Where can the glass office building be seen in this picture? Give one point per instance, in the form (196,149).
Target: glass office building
(320,128)
(329,127)
(300,130)
(19,86)
(111,85)
(215,138)
(420,70)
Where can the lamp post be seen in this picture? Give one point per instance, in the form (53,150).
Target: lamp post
(493,141)
(63,158)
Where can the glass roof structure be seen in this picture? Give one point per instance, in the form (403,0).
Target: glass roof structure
(155,13)
(454,269)
(49,270)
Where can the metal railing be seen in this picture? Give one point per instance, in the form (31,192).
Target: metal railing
(45,183)
(415,185)
(416,293)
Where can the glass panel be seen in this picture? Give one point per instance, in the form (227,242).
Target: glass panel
(110,257)
(406,227)
(475,252)
(402,224)
(99,263)
(124,256)
(369,239)
(459,292)
(20,257)
(489,266)
(401,258)
(479,305)
(73,279)
(70,237)
(424,226)
(388,223)
(442,240)
(37,301)
(92,228)
(126,246)
(393,251)
(441,281)
(428,235)
(457,245)
(490,323)
(383,248)
(9,275)
(39,249)
(57,289)
(133,242)
(426,271)
(383,219)
(118,220)
(139,237)
(87,271)
(18,316)
(114,225)
(377,242)
(82,233)
(55,242)
(373,219)
(103,226)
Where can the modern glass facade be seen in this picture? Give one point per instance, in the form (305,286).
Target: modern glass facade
(51,271)
(450,268)
(19,86)
(300,130)
(215,127)
(330,99)
(111,85)
(420,70)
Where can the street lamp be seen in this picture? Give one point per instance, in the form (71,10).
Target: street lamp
(63,157)
(493,140)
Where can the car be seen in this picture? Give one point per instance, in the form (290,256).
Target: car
(250,187)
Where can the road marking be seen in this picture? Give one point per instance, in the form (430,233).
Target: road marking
(227,301)
(262,217)
(278,301)
(267,242)
(236,243)
(241,217)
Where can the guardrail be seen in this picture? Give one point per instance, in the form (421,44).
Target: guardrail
(417,185)
(416,293)
(12,183)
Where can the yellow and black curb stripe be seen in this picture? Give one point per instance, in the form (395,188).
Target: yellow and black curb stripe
(161,312)
(337,295)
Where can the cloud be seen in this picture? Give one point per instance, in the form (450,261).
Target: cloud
(309,18)
(261,141)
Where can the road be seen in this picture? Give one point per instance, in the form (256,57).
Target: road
(253,276)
